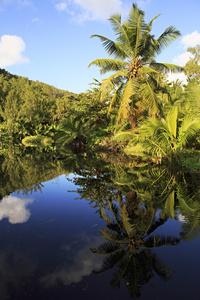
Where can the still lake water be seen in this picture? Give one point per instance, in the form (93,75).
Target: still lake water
(46,236)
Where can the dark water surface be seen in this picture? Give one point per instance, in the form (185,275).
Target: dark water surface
(46,238)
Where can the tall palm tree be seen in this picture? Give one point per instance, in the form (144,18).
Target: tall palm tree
(137,74)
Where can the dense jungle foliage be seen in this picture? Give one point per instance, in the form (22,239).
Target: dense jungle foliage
(135,111)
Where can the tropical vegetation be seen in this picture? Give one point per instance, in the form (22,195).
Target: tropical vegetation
(135,111)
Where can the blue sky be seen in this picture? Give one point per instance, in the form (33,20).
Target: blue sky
(49,40)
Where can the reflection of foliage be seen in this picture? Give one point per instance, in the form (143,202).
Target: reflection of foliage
(166,188)
(191,226)
(94,181)
(175,193)
(131,226)
(130,230)
(26,171)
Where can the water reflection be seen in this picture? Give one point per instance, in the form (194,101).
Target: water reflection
(15,209)
(15,267)
(130,231)
(139,210)
(78,263)
(137,205)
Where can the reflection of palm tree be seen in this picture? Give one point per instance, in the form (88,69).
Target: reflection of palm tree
(130,235)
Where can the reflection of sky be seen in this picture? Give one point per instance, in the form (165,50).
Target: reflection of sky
(57,237)
(15,267)
(53,248)
(14,209)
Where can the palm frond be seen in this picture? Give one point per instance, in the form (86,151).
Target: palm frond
(156,224)
(108,65)
(161,241)
(163,271)
(111,47)
(167,37)
(188,129)
(119,29)
(110,261)
(169,204)
(151,22)
(116,96)
(150,100)
(172,121)
(112,236)
(128,226)
(106,248)
(37,141)
(166,68)
(125,135)
(193,96)
(129,90)
(148,70)
(109,84)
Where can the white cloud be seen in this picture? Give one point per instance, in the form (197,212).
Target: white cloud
(181,59)
(191,40)
(100,9)
(61,6)
(14,209)
(11,48)
(177,76)
(90,9)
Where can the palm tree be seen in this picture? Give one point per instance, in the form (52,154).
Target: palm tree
(136,80)
(71,131)
(164,137)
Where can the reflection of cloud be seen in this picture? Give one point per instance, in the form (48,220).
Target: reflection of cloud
(182,218)
(83,263)
(14,209)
